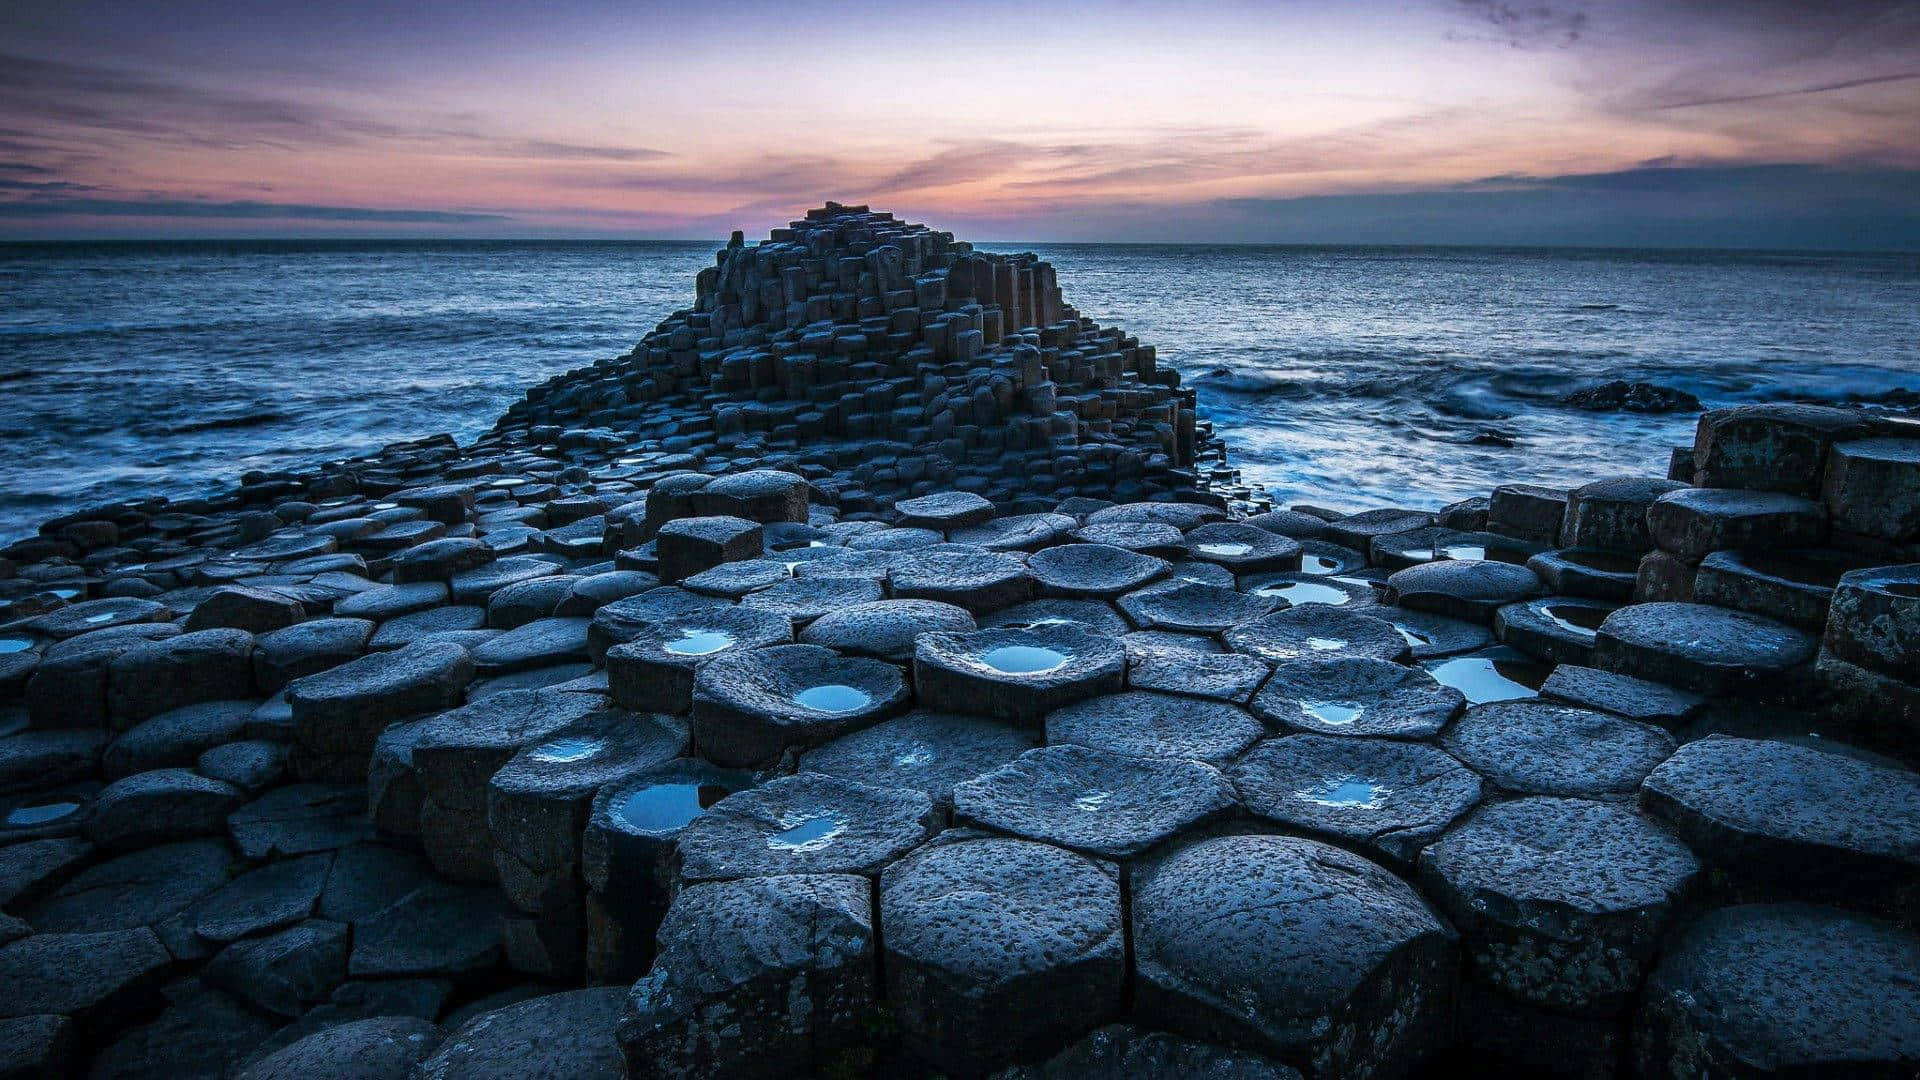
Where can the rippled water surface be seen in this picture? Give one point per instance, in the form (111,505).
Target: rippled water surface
(1344,376)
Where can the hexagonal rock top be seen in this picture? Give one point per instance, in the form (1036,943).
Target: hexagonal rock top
(1562,901)
(768,969)
(1015,674)
(1784,812)
(1101,571)
(804,824)
(1304,951)
(922,751)
(1538,748)
(1783,990)
(1388,796)
(1106,804)
(943,511)
(1463,589)
(1357,696)
(1709,649)
(1144,724)
(998,949)
(749,707)
(1317,632)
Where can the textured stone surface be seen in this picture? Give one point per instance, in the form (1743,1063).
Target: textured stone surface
(1390,798)
(1106,804)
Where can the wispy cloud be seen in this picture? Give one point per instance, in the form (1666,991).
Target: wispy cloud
(1797,91)
(239,211)
(1523,26)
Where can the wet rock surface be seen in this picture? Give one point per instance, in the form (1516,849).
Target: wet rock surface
(677,674)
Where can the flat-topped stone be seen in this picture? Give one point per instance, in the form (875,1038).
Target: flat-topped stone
(654,672)
(1691,522)
(1771,447)
(1186,605)
(1707,649)
(1562,902)
(885,628)
(945,511)
(624,620)
(1105,804)
(339,713)
(751,706)
(1560,629)
(1222,676)
(1622,695)
(999,949)
(1356,696)
(1611,514)
(1783,990)
(1875,620)
(1462,589)
(1015,674)
(804,824)
(1780,811)
(1242,548)
(1534,747)
(1144,724)
(1098,571)
(1389,797)
(922,751)
(975,579)
(1316,631)
(1305,951)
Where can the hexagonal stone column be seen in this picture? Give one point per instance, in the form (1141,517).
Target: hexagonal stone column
(690,545)
(1562,901)
(1770,447)
(765,977)
(1357,696)
(1301,950)
(1015,674)
(1539,748)
(1111,805)
(804,824)
(761,495)
(654,672)
(1813,819)
(339,713)
(1692,522)
(1099,571)
(1389,797)
(972,578)
(750,707)
(1143,724)
(999,949)
(1874,621)
(1783,990)
(1872,489)
(1708,649)
(922,751)
(1462,589)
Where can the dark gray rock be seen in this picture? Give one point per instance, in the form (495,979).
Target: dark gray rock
(944,511)
(654,671)
(1221,676)
(1388,797)
(380,1048)
(439,929)
(806,599)
(1302,950)
(307,649)
(1772,447)
(89,616)
(1015,674)
(921,751)
(37,760)
(624,620)
(1296,589)
(1099,571)
(339,713)
(764,495)
(478,585)
(766,977)
(1611,514)
(1696,647)
(32,867)
(749,707)
(1470,590)
(300,819)
(538,598)
(804,824)
(1875,620)
(999,949)
(1242,548)
(175,738)
(1020,532)
(383,602)
(1562,902)
(689,545)
(1106,804)
(1124,1050)
(1622,695)
(68,688)
(1487,675)
(1560,629)
(1587,572)
(1783,990)
(1691,522)
(1537,748)
(1187,605)
(1789,813)
(36,1047)
(1317,632)
(1356,696)
(439,560)
(433,624)
(1090,615)
(1358,531)
(1142,724)
(540,643)
(564,1036)
(159,676)
(1872,489)
(252,765)
(98,979)
(240,607)
(141,888)
(885,628)
(1147,538)
(285,972)
(157,806)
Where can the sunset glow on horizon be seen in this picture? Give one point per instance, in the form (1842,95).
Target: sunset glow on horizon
(1748,124)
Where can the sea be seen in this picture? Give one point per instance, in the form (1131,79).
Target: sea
(1347,377)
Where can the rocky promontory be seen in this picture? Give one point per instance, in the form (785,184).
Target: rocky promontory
(881,670)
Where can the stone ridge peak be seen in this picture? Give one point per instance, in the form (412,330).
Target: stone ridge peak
(884,360)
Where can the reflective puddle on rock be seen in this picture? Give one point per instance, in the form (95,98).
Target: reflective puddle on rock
(1093,801)
(834,697)
(22,817)
(1306,592)
(1326,644)
(1318,564)
(15,644)
(567,748)
(801,833)
(1024,659)
(667,807)
(1485,677)
(1223,549)
(1333,712)
(699,642)
(1577,619)
(1347,792)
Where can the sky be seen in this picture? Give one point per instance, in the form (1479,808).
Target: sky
(1710,123)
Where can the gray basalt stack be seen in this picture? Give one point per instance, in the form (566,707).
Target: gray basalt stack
(866,676)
